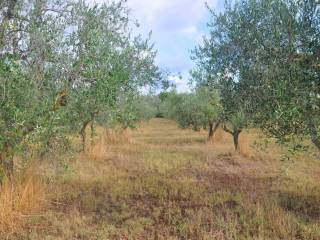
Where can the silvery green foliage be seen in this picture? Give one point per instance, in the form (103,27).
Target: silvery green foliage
(196,110)
(264,56)
(64,64)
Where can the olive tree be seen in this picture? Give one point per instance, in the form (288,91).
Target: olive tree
(62,65)
(214,71)
(30,49)
(108,61)
(283,76)
(271,51)
(210,106)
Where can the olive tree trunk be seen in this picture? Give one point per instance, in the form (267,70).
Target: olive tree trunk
(213,127)
(235,135)
(236,140)
(83,134)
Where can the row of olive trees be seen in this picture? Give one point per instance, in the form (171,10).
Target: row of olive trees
(264,58)
(64,65)
(202,109)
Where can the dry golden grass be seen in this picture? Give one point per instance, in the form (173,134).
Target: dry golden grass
(161,182)
(97,152)
(118,136)
(20,199)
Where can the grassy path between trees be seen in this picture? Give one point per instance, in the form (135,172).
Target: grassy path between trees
(161,182)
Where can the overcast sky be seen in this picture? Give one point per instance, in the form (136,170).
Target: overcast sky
(177,27)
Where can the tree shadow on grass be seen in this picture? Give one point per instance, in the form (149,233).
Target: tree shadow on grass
(304,205)
(177,141)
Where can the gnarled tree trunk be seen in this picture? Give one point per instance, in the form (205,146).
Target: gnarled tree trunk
(83,134)
(213,127)
(235,135)
(236,140)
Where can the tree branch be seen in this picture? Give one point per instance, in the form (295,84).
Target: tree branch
(225,128)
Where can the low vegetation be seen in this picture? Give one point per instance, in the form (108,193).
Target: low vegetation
(161,182)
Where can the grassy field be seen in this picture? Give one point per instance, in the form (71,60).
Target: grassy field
(161,182)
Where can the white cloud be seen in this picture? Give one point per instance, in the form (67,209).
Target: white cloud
(169,14)
(177,27)
(175,79)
